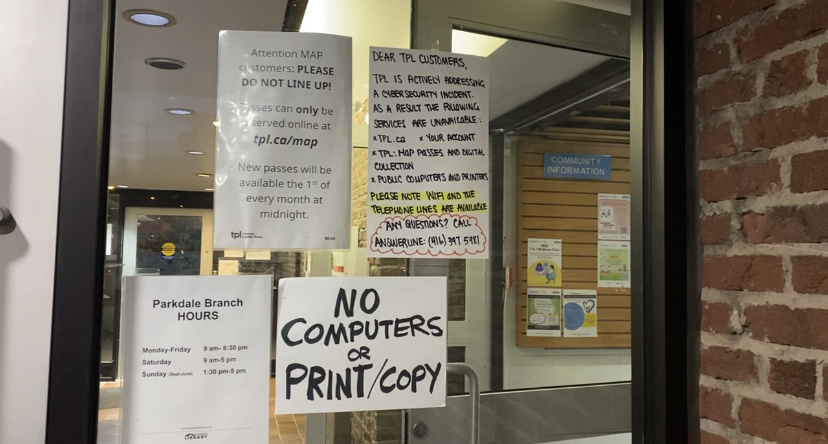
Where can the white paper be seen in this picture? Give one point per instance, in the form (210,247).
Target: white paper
(233,253)
(543,312)
(614,264)
(197,359)
(428,159)
(580,308)
(614,216)
(406,316)
(283,145)
(257,255)
(228,267)
(544,263)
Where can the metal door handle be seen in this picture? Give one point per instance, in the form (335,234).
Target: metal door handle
(474,396)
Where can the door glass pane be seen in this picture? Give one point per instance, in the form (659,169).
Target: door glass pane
(545,99)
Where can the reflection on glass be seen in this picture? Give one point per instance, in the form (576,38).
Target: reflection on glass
(170,244)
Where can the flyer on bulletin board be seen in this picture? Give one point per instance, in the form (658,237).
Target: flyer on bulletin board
(543,312)
(580,313)
(614,264)
(544,263)
(614,217)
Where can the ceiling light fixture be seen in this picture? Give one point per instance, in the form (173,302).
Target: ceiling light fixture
(149,17)
(122,186)
(179,111)
(195,153)
(165,63)
(111,187)
(209,189)
(204,175)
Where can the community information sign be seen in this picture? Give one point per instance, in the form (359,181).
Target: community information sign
(283,145)
(196,359)
(356,344)
(428,159)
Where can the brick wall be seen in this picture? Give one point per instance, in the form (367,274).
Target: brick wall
(762,115)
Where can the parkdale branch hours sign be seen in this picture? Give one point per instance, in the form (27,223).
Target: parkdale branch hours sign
(356,344)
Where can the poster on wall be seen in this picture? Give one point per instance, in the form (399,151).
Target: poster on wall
(614,264)
(614,216)
(283,143)
(428,155)
(196,359)
(543,312)
(356,344)
(580,313)
(544,263)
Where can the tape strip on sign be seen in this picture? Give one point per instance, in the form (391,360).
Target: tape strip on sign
(355,344)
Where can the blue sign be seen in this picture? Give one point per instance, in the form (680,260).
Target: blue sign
(577,166)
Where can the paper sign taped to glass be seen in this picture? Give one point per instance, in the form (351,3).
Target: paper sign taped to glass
(356,344)
(283,144)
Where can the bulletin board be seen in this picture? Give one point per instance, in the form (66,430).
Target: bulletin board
(568,210)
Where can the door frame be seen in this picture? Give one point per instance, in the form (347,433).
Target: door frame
(665,330)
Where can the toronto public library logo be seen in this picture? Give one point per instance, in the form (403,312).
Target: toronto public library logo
(195,436)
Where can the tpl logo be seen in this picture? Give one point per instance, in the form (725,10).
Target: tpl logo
(235,234)
(195,436)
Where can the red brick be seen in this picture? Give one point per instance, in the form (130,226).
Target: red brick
(787,75)
(716,141)
(715,229)
(735,88)
(793,378)
(789,26)
(712,59)
(716,317)
(769,422)
(785,125)
(711,15)
(709,438)
(780,324)
(810,274)
(716,406)
(753,273)
(807,224)
(809,172)
(737,181)
(822,67)
(731,365)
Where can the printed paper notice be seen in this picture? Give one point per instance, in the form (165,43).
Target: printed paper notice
(544,263)
(428,158)
(356,344)
(614,264)
(543,312)
(283,145)
(580,313)
(196,359)
(614,216)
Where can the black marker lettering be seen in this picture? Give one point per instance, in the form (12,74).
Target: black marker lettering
(291,380)
(317,376)
(286,330)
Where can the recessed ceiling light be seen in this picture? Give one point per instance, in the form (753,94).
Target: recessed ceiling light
(204,175)
(148,17)
(111,187)
(165,63)
(209,189)
(179,111)
(216,123)
(195,153)
(122,186)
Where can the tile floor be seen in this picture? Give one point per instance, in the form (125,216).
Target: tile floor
(284,429)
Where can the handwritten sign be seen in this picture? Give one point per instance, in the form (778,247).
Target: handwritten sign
(428,169)
(283,145)
(354,344)
(577,166)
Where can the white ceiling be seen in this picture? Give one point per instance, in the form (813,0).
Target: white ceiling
(148,145)
(617,6)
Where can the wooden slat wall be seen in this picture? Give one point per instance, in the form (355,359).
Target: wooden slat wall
(568,210)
